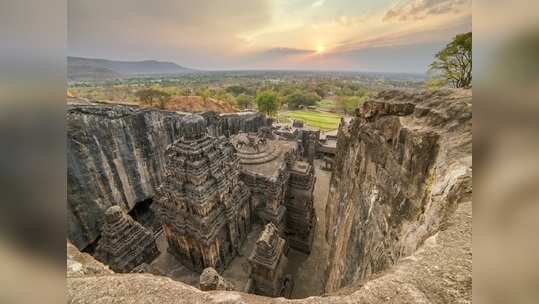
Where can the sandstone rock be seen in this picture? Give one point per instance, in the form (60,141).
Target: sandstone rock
(125,244)
(211,280)
(204,207)
(402,166)
(115,156)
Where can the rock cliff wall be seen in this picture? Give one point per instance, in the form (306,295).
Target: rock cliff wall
(402,166)
(115,156)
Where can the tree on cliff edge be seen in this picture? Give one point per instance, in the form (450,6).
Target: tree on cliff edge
(453,64)
(267,103)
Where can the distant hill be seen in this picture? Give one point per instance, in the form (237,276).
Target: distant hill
(79,68)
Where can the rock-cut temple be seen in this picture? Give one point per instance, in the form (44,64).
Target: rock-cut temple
(216,188)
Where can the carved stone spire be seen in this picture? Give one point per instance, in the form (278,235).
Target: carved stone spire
(124,243)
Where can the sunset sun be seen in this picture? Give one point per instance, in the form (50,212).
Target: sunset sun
(320,49)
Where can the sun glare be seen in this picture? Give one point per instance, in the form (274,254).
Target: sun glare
(320,49)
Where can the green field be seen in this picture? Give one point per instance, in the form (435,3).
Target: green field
(322,120)
(326,104)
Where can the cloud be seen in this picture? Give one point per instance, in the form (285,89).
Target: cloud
(434,34)
(318,3)
(421,9)
(194,33)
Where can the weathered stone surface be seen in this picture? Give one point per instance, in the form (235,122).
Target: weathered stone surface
(83,264)
(440,271)
(115,156)
(125,244)
(418,229)
(401,168)
(204,207)
(211,280)
(281,185)
(268,262)
(300,215)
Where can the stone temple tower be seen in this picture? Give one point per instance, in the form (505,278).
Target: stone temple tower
(204,207)
(268,264)
(124,243)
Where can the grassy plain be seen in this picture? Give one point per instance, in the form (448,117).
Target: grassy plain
(322,120)
(326,104)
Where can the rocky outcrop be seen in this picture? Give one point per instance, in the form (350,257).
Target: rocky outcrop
(115,156)
(402,166)
(211,280)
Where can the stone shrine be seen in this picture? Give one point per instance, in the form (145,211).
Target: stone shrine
(300,215)
(268,262)
(281,185)
(125,244)
(204,207)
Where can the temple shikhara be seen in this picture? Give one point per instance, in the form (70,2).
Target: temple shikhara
(125,244)
(205,208)
(268,265)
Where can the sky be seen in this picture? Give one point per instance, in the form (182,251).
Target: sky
(351,35)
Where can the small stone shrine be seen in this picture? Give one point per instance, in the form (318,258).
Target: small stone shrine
(300,215)
(125,244)
(268,262)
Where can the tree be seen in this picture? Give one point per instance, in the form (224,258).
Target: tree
(149,96)
(163,98)
(267,102)
(348,104)
(454,63)
(204,93)
(236,90)
(300,99)
(244,101)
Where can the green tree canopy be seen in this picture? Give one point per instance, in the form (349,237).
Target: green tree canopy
(267,102)
(298,98)
(149,96)
(453,64)
(244,101)
(236,90)
(348,104)
(203,92)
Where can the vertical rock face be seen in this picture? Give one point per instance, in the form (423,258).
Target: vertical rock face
(116,156)
(124,243)
(402,166)
(204,208)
